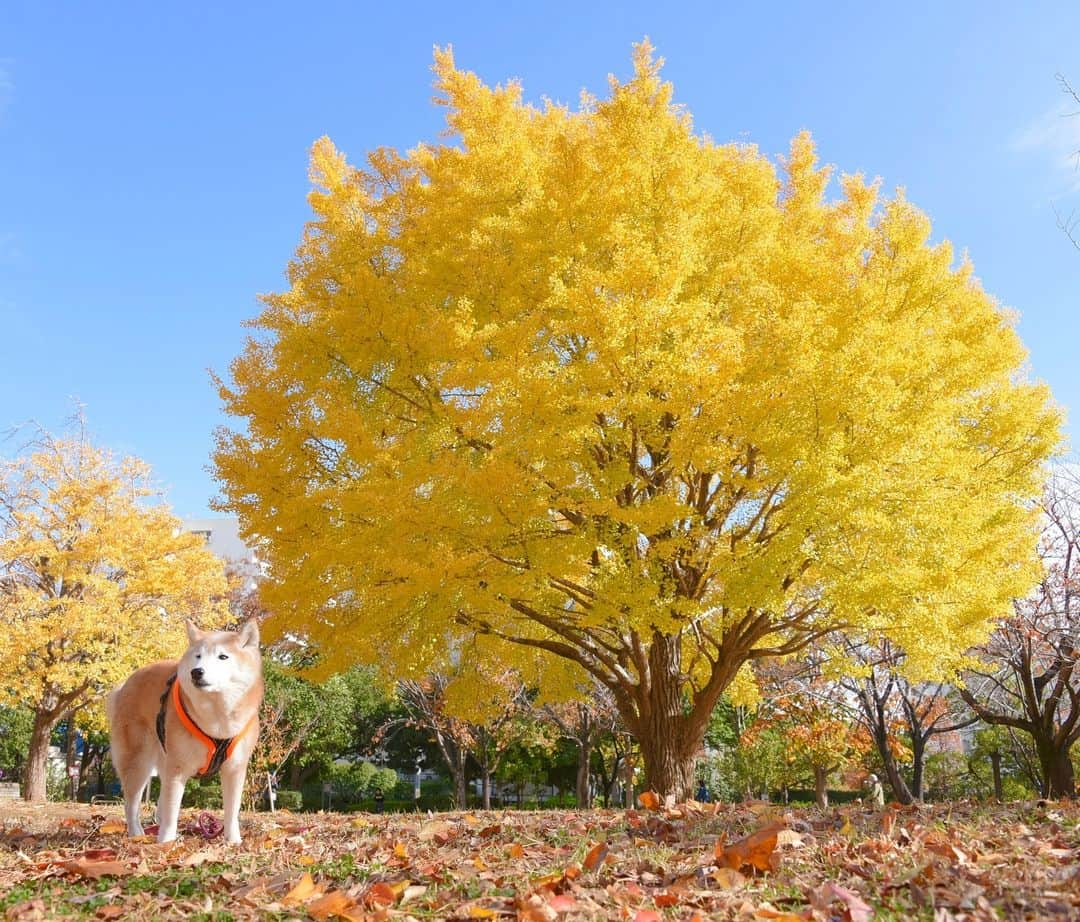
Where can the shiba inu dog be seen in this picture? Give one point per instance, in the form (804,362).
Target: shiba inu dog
(194,716)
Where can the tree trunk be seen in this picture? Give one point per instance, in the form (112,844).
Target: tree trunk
(995,769)
(669,767)
(581,787)
(1057,770)
(487,789)
(461,793)
(34,786)
(69,757)
(669,738)
(918,762)
(821,789)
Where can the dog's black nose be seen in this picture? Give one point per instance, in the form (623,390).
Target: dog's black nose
(197,674)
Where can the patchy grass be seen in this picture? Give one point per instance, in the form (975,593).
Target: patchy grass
(745,861)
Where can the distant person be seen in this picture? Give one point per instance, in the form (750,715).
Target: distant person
(702,793)
(379,799)
(876,794)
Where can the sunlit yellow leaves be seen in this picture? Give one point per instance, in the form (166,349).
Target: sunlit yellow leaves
(589,371)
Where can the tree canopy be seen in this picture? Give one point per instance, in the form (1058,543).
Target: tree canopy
(590,382)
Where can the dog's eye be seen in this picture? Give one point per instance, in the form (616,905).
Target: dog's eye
(222,656)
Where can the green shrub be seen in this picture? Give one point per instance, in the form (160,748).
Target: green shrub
(290,800)
(203,794)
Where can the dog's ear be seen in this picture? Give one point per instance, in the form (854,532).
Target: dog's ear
(249,633)
(193,632)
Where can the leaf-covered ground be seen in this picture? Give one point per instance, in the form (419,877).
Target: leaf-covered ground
(752,861)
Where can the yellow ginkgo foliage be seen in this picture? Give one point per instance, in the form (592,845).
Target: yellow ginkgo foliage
(589,382)
(94,582)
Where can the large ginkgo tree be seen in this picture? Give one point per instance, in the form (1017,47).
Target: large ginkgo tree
(586,382)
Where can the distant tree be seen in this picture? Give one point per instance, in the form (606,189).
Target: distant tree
(1028,678)
(94,582)
(590,383)
(16,725)
(425,702)
(584,723)
(900,716)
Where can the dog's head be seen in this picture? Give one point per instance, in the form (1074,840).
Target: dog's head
(221,661)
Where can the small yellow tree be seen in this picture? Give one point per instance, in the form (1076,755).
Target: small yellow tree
(591,383)
(93,582)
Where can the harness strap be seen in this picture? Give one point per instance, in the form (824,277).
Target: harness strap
(217,750)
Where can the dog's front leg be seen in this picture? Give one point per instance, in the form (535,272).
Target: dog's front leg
(232,789)
(168,812)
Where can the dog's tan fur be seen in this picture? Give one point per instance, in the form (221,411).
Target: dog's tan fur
(232,666)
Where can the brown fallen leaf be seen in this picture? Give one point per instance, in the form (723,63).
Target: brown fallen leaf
(562,902)
(385,893)
(94,869)
(111,911)
(533,908)
(596,856)
(755,850)
(778,915)
(303,889)
(728,878)
(110,827)
(335,904)
(28,911)
(649,800)
(823,896)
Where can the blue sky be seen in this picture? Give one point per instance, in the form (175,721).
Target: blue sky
(153,160)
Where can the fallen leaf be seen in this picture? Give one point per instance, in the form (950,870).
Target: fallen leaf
(649,800)
(94,869)
(110,827)
(755,850)
(779,915)
(533,908)
(728,878)
(596,856)
(303,889)
(647,915)
(857,909)
(562,902)
(111,911)
(335,903)
(381,894)
(412,892)
(28,911)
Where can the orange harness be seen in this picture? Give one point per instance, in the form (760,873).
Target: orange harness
(217,751)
